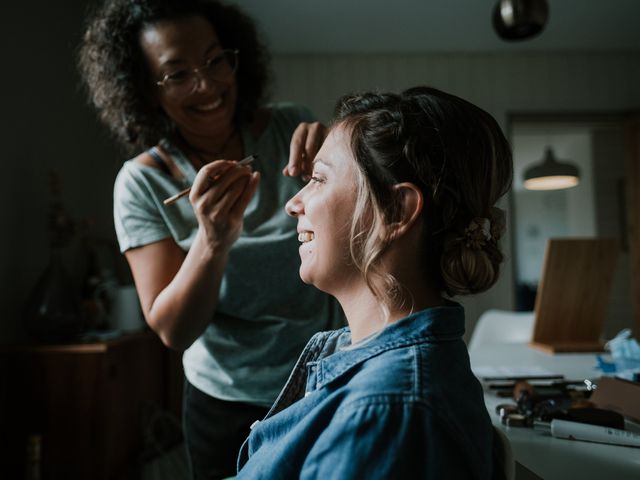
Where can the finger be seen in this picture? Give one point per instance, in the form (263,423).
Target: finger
(216,186)
(316,134)
(296,150)
(241,204)
(219,198)
(315,138)
(231,197)
(215,204)
(218,168)
(206,175)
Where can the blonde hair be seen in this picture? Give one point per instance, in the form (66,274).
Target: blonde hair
(369,240)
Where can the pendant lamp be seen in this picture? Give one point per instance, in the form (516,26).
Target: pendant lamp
(551,174)
(515,20)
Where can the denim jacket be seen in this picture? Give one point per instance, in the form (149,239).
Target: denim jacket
(402,404)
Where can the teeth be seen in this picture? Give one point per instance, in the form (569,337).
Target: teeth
(210,106)
(305,237)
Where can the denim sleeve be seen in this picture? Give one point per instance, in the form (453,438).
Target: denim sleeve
(385,438)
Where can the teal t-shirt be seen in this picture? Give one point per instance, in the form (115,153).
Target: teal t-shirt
(265,313)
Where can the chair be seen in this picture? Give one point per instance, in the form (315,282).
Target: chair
(503,461)
(502,326)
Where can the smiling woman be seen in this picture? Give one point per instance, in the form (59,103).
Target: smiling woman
(392,395)
(181,84)
(199,101)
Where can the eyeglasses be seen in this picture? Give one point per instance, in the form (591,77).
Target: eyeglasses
(220,67)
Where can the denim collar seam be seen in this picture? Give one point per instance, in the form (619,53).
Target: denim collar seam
(326,373)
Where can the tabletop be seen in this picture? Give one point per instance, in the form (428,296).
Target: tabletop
(546,456)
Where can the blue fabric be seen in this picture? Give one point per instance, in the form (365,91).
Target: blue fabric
(403,404)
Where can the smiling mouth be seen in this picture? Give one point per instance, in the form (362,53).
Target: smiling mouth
(305,237)
(209,106)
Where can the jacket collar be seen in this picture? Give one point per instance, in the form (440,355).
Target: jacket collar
(433,325)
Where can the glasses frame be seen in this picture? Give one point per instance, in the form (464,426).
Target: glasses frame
(197,72)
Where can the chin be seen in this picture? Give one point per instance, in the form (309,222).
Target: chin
(305,277)
(322,286)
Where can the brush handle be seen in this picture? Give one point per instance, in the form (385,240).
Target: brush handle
(174,198)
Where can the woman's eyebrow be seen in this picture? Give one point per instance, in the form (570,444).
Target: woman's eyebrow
(318,160)
(173,61)
(213,46)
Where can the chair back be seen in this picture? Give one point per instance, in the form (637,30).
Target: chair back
(504,466)
(502,326)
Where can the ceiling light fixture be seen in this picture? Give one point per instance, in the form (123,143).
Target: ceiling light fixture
(519,19)
(551,174)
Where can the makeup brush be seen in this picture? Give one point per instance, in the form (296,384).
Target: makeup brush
(185,192)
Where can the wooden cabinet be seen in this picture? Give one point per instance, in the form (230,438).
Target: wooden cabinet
(86,401)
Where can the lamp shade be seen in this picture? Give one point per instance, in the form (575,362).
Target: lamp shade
(551,174)
(519,19)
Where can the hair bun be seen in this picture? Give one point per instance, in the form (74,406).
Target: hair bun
(471,263)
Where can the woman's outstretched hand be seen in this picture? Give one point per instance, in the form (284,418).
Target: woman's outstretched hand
(305,143)
(219,195)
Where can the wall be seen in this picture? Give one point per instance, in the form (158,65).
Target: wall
(499,83)
(46,123)
(557,213)
(608,145)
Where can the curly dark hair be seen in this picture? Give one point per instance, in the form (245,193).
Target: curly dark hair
(115,72)
(457,155)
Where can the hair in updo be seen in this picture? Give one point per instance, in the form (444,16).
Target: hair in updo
(457,155)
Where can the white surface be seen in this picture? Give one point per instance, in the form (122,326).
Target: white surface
(502,326)
(546,456)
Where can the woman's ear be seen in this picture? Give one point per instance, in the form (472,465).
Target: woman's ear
(411,203)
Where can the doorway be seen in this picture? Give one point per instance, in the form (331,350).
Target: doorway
(593,208)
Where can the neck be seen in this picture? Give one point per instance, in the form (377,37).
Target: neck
(227,144)
(364,312)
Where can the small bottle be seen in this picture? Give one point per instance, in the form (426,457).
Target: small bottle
(34,457)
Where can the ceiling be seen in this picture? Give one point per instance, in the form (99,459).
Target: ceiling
(386,26)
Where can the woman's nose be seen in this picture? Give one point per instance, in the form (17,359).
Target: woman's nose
(203,81)
(294,206)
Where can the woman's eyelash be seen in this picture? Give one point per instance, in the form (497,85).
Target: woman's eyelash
(313,178)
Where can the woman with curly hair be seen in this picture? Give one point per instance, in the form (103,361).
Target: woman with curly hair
(181,84)
(393,395)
